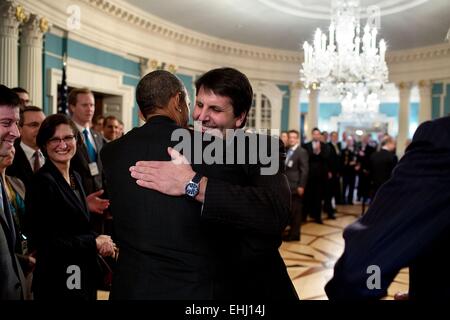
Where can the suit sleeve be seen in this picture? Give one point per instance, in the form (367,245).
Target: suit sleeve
(42,212)
(262,205)
(303,167)
(409,213)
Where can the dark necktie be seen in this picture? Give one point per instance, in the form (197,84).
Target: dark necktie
(90,148)
(37,162)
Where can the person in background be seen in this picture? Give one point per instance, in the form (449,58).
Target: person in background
(297,167)
(284,138)
(98,123)
(28,158)
(121,128)
(111,128)
(382,163)
(57,207)
(24,96)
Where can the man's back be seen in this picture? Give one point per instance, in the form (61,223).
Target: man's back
(163,250)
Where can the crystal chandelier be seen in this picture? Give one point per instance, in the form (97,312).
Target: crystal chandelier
(349,62)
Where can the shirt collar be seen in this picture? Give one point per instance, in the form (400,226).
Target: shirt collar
(29,152)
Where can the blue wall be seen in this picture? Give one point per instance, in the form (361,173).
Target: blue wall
(54,50)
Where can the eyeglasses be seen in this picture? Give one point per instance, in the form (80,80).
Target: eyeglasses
(56,141)
(33,125)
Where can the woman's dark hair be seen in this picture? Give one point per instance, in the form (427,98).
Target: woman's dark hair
(48,128)
(231,83)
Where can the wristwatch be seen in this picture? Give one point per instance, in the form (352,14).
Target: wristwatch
(193,187)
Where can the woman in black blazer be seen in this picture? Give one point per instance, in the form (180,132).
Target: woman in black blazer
(66,260)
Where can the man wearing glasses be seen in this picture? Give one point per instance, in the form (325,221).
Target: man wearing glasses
(28,158)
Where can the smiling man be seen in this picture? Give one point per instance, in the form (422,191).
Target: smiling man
(11,276)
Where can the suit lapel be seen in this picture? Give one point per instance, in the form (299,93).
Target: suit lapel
(67,190)
(5,215)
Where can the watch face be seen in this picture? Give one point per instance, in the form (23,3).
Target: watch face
(192,189)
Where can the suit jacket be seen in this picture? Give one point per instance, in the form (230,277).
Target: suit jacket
(12,281)
(335,158)
(246,213)
(20,167)
(80,163)
(407,225)
(169,247)
(381,165)
(297,168)
(62,236)
(319,164)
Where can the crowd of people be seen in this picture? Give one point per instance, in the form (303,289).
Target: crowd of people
(326,172)
(76,193)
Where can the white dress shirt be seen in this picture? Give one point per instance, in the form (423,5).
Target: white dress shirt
(29,153)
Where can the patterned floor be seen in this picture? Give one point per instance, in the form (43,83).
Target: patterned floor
(310,261)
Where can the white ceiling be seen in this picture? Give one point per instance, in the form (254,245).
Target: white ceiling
(286,24)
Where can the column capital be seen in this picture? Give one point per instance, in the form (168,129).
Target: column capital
(425,84)
(404,85)
(12,15)
(296,85)
(33,30)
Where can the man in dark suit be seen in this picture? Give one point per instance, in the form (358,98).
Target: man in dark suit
(319,173)
(297,166)
(163,252)
(12,280)
(382,163)
(364,151)
(333,187)
(28,158)
(86,160)
(407,225)
(243,210)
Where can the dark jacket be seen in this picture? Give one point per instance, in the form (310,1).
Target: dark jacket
(62,236)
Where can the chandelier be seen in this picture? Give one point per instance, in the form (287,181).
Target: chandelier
(346,61)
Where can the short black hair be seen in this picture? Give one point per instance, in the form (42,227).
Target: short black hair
(231,83)
(294,131)
(20,90)
(27,109)
(155,90)
(316,129)
(48,128)
(8,98)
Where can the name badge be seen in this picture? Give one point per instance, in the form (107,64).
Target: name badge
(290,163)
(93,168)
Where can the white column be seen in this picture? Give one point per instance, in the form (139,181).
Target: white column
(11,15)
(425,100)
(294,105)
(312,118)
(30,75)
(403,116)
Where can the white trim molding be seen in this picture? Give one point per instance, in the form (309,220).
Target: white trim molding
(81,74)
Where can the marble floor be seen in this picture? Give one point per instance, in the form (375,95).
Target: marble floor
(310,261)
